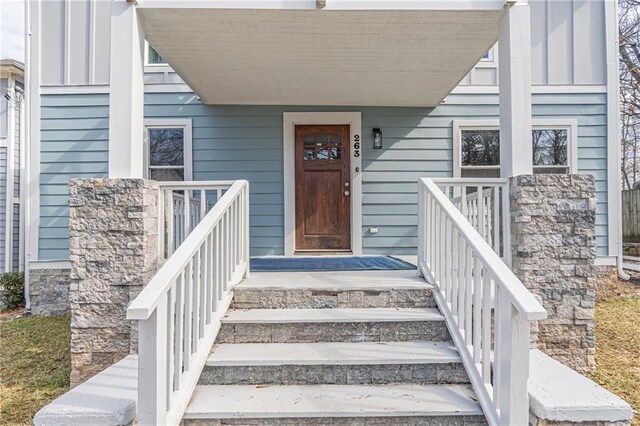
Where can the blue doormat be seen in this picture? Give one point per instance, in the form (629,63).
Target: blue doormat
(337,263)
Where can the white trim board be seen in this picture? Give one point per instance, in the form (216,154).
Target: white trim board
(570,124)
(614,178)
(49,264)
(104,89)
(289,121)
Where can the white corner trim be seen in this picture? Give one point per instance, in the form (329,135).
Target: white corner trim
(32,138)
(571,124)
(163,123)
(49,264)
(290,120)
(614,178)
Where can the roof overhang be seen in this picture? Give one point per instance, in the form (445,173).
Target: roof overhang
(356,53)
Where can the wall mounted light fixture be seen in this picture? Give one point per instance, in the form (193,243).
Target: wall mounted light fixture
(377,138)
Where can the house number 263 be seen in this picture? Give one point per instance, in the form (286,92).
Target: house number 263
(356,145)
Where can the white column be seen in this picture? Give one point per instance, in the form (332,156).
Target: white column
(514,38)
(126,102)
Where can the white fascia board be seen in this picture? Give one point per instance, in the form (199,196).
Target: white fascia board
(478,5)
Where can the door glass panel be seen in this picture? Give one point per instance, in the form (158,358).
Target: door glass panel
(322,146)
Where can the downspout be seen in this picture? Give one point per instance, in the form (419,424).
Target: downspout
(27,144)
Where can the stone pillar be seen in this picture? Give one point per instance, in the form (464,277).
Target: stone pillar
(553,248)
(113,226)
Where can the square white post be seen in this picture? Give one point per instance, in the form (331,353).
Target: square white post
(126,100)
(514,38)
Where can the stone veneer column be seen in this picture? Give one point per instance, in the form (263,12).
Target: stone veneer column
(113,228)
(553,248)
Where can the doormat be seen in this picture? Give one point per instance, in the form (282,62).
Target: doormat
(337,263)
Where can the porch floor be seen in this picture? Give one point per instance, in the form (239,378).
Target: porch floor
(334,281)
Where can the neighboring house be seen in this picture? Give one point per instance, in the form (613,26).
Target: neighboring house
(324,123)
(12,107)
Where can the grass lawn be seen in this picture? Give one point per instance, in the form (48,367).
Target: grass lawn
(34,366)
(618,341)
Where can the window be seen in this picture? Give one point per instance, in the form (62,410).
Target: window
(550,150)
(151,57)
(480,150)
(168,150)
(477,148)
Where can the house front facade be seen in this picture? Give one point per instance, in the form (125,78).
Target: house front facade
(239,100)
(171,142)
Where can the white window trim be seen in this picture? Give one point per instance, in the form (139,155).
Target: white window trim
(571,125)
(171,123)
(290,120)
(491,61)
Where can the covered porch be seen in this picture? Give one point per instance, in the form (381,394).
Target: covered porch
(331,59)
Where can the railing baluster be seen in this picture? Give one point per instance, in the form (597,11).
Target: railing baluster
(188,320)
(496,219)
(486,327)
(179,332)
(453,295)
(187,215)
(170,226)
(477,310)
(468,291)
(170,352)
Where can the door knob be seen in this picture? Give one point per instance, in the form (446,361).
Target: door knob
(346,184)
(346,193)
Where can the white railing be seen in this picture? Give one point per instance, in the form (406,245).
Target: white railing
(485,204)
(181,206)
(179,311)
(487,308)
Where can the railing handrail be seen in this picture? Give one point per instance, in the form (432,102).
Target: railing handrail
(143,306)
(205,184)
(470,181)
(520,296)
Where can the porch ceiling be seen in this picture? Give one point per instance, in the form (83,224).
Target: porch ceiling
(321,57)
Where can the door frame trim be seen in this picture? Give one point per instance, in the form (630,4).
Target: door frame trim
(290,121)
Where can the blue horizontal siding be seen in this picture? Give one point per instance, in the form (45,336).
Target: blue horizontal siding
(3,207)
(74,142)
(245,142)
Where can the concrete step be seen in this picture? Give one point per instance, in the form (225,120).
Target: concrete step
(314,290)
(401,404)
(333,325)
(334,363)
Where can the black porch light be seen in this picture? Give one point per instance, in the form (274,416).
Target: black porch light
(377,138)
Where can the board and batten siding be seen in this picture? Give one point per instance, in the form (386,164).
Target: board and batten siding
(74,142)
(245,142)
(567,41)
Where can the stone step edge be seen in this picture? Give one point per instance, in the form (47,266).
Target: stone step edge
(459,399)
(445,350)
(333,315)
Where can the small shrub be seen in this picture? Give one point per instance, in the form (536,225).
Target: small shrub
(12,290)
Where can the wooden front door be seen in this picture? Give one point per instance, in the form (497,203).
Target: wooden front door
(323,188)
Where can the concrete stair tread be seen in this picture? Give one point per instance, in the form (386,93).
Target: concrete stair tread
(332,353)
(307,401)
(269,316)
(335,281)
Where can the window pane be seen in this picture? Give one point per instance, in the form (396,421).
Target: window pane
(550,147)
(166,174)
(166,147)
(480,147)
(154,57)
